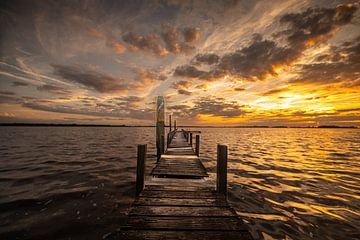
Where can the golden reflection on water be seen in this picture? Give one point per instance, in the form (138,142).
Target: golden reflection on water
(308,179)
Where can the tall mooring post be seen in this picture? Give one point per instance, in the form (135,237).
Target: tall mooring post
(221,169)
(160,126)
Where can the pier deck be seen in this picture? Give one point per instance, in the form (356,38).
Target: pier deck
(180,202)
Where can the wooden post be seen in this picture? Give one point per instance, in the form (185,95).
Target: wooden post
(221,169)
(160,125)
(170,122)
(191,139)
(197,145)
(175,125)
(140,168)
(162,145)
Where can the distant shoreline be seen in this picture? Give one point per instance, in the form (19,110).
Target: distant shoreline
(130,126)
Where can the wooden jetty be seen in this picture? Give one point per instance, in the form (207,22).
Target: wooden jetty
(178,200)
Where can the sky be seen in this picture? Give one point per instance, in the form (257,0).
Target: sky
(221,63)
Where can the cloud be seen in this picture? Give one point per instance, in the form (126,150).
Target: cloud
(211,106)
(148,76)
(191,34)
(173,43)
(340,64)
(202,86)
(149,43)
(129,101)
(53,89)
(110,40)
(184,92)
(316,24)
(207,58)
(216,107)
(19,84)
(182,84)
(92,79)
(261,57)
(7,93)
(169,41)
(101,109)
(275,91)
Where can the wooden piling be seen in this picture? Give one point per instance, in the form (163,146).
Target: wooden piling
(160,125)
(169,122)
(221,169)
(191,139)
(197,145)
(140,169)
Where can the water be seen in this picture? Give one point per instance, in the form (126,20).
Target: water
(78,182)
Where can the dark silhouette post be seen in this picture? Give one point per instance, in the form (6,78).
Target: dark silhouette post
(191,139)
(221,169)
(197,145)
(140,169)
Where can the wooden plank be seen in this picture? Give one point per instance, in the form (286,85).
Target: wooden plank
(180,194)
(201,202)
(185,223)
(179,188)
(182,211)
(180,235)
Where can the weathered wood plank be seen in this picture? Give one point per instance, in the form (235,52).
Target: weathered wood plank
(201,202)
(180,235)
(182,211)
(180,194)
(179,188)
(185,223)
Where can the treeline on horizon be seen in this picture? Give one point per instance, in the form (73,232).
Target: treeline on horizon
(185,126)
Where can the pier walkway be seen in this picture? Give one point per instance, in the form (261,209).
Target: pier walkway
(179,201)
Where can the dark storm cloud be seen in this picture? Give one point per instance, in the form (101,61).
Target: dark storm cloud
(53,89)
(207,58)
(261,57)
(98,81)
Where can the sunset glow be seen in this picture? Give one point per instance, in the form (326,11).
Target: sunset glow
(292,63)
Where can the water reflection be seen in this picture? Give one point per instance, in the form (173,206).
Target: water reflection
(78,182)
(292,183)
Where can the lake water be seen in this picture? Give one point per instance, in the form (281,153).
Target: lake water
(78,182)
